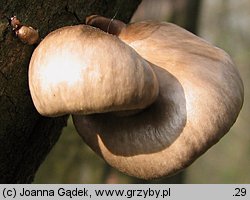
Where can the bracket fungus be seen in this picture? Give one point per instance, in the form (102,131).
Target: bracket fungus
(82,70)
(148,97)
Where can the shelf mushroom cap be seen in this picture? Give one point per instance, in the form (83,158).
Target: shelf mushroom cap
(200,97)
(83,70)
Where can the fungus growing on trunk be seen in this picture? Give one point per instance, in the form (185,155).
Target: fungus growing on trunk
(149,100)
(82,70)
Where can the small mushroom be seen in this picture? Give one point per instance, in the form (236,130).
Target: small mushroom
(111,26)
(83,70)
(26,34)
(200,97)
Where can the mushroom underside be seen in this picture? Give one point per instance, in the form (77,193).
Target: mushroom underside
(167,136)
(200,96)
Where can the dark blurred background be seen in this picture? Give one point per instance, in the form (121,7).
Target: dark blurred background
(226,24)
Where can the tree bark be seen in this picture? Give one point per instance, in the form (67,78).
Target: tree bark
(26,137)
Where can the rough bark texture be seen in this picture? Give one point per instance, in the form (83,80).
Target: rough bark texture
(25,136)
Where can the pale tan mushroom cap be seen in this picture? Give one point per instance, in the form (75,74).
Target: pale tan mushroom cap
(81,69)
(200,97)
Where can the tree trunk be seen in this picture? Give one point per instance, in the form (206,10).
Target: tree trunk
(25,136)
